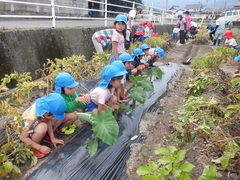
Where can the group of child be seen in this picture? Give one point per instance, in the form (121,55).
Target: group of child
(56,112)
(144,30)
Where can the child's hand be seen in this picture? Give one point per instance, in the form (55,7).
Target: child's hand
(44,149)
(115,106)
(85,99)
(56,141)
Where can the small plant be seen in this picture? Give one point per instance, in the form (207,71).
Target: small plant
(104,126)
(209,172)
(157,41)
(197,85)
(170,164)
(202,37)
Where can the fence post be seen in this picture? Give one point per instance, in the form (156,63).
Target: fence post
(53,14)
(105,13)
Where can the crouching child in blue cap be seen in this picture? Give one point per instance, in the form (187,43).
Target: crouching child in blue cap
(154,54)
(66,86)
(137,56)
(39,119)
(102,97)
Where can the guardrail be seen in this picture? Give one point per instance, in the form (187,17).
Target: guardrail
(149,13)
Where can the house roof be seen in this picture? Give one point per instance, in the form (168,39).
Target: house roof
(194,6)
(174,7)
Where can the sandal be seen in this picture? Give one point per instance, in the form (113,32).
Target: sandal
(37,153)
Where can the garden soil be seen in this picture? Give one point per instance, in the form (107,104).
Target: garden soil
(156,128)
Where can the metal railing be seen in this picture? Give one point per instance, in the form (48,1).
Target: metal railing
(149,13)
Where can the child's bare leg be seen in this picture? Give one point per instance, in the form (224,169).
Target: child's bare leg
(39,132)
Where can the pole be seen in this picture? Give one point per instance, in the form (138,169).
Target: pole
(53,14)
(105,13)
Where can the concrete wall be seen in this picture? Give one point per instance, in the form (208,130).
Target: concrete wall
(27,50)
(13,8)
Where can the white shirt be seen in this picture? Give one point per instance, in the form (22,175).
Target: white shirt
(193,24)
(147,32)
(231,42)
(132,14)
(176,30)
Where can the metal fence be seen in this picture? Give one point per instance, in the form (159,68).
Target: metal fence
(149,13)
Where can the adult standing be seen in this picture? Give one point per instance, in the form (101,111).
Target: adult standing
(220,26)
(131,16)
(182,28)
(188,23)
(102,39)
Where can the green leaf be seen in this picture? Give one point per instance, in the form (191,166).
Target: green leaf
(92,146)
(229,112)
(105,126)
(138,94)
(8,166)
(180,155)
(187,167)
(161,151)
(153,165)
(85,116)
(184,176)
(3,173)
(149,177)
(172,149)
(209,173)
(148,85)
(225,159)
(144,170)
(165,160)
(33,161)
(136,79)
(123,106)
(16,170)
(158,72)
(235,81)
(176,172)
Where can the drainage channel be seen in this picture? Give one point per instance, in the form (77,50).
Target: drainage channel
(73,162)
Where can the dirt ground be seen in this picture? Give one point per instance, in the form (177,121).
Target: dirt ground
(156,128)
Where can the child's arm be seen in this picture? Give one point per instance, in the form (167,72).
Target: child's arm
(54,140)
(85,99)
(114,49)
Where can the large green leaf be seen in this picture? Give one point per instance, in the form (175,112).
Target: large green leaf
(85,116)
(105,126)
(138,94)
(144,170)
(165,160)
(187,167)
(148,85)
(92,146)
(149,177)
(225,159)
(123,106)
(158,72)
(136,79)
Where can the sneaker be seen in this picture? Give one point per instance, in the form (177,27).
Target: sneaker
(37,153)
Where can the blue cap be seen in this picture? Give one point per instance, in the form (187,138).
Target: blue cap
(125,57)
(121,18)
(64,79)
(137,52)
(160,52)
(109,72)
(237,58)
(144,46)
(53,103)
(120,66)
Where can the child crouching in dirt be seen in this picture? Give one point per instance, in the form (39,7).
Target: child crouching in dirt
(40,119)
(154,54)
(66,86)
(230,42)
(137,55)
(102,97)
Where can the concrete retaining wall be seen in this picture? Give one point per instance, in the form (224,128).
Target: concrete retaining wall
(27,50)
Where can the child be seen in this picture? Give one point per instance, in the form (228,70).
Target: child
(102,97)
(102,39)
(121,91)
(151,27)
(137,55)
(66,86)
(145,48)
(175,33)
(230,42)
(147,32)
(39,119)
(127,61)
(154,54)
(118,37)
(139,33)
(237,71)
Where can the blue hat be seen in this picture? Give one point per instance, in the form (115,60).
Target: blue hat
(64,79)
(237,58)
(137,52)
(121,18)
(109,72)
(144,46)
(125,57)
(120,66)
(160,52)
(53,103)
